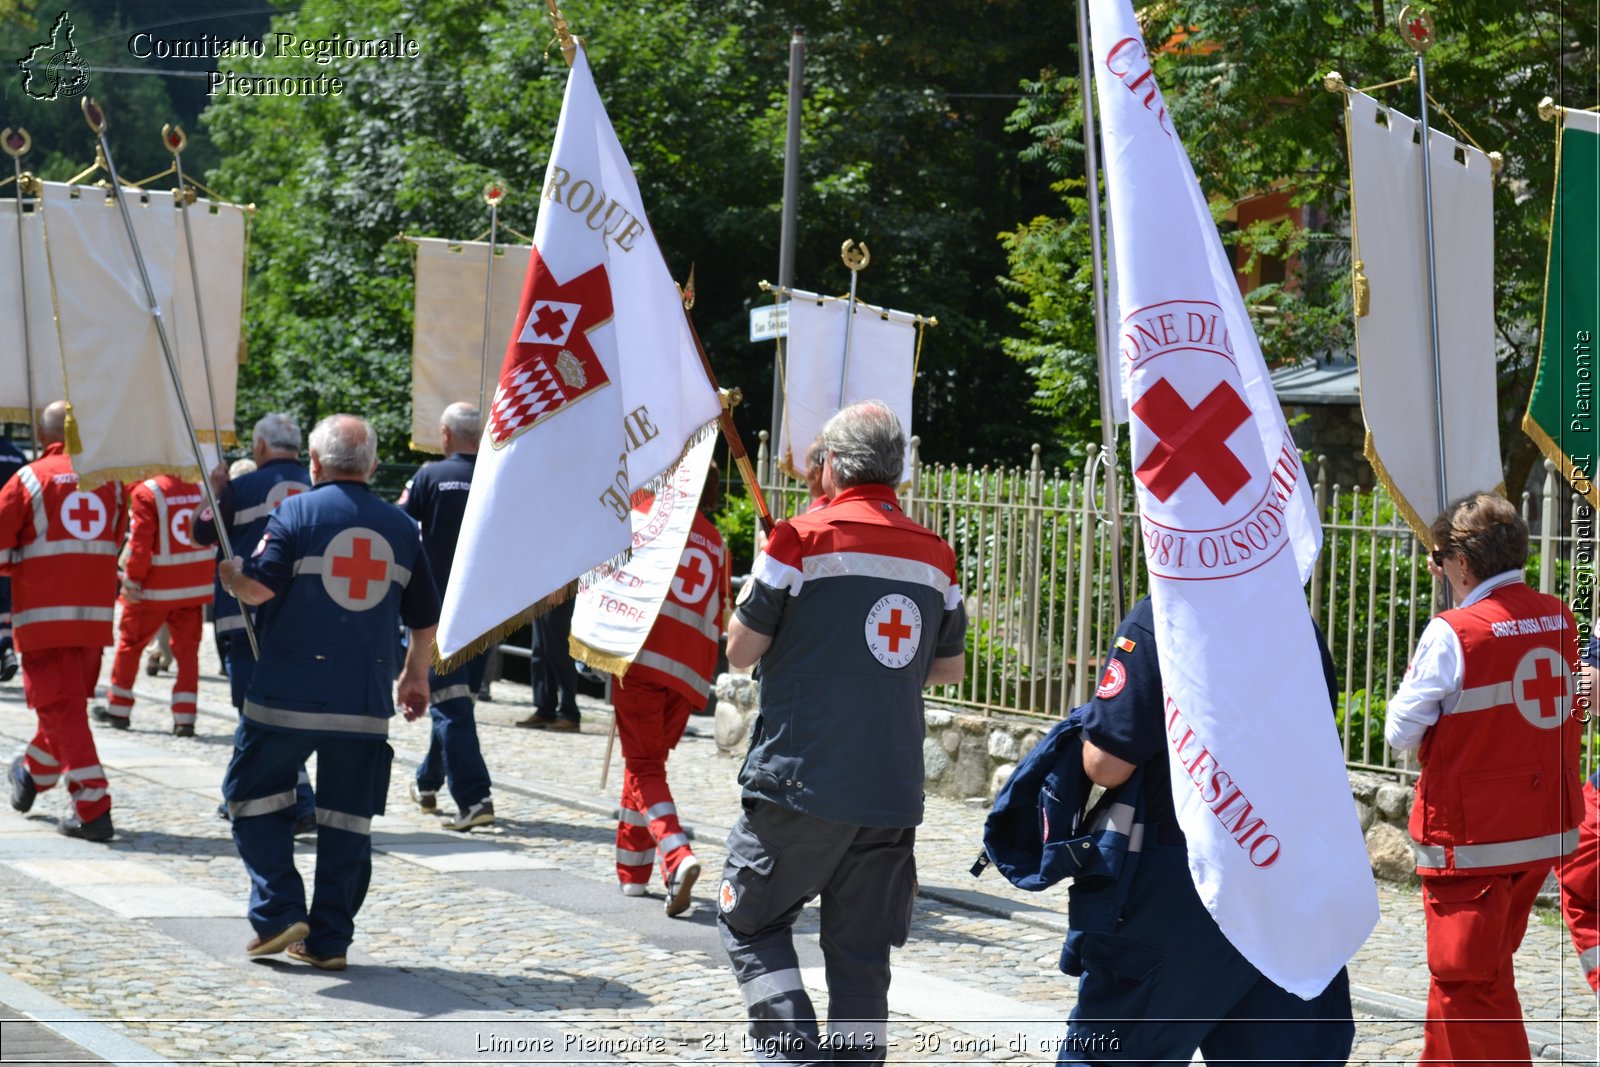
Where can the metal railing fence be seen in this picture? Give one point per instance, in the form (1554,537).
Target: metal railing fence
(1034,551)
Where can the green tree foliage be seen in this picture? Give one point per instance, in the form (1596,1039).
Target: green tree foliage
(905,147)
(1243,81)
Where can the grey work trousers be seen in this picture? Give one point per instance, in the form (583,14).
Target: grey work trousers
(778,860)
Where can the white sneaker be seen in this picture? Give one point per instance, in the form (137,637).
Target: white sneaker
(683,880)
(634,889)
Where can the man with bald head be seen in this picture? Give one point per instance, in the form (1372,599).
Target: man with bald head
(334,575)
(436,497)
(59,544)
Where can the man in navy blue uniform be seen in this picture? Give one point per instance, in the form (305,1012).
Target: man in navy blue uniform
(336,572)
(11,461)
(245,502)
(1168,961)
(436,497)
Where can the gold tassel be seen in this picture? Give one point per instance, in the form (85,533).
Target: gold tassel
(74,442)
(1361,290)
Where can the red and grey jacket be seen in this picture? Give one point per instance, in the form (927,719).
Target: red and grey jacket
(163,561)
(60,547)
(681,652)
(1499,789)
(1580,886)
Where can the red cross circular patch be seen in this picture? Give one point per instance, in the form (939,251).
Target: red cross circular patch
(356,568)
(182,523)
(283,491)
(1542,688)
(727,896)
(894,630)
(83,515)
(695,576)
(1112,681)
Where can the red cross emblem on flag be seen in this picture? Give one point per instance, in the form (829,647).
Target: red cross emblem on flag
(550,362)
(1192,442)
(356,568)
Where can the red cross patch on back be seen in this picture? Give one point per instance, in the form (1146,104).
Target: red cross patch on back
(550,362)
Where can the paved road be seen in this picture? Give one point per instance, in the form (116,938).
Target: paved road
(512,945)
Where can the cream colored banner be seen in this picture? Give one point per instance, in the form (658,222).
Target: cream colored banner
(219,265)
(116,377)
(882,367)
(1393,343)
(42,351)
(447,332)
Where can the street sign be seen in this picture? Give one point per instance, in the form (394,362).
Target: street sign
(769,323)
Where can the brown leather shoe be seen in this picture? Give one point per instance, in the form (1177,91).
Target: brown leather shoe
(292,934)
(297,951)
(564,726)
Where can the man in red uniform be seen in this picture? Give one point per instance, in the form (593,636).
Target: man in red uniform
(1579,873)
(668,681)
(1489,698)
(60,546)
(165,581)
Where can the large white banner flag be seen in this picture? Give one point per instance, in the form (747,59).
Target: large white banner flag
(1258,777)
(447,325)
(219,265)
(617,610)
(27,270)
(128,416)
(882,367)
(1389,239)
(600,392)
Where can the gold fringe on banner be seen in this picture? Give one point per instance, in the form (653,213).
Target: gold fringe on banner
(209,437)
(496,634)
(94,479)
(19,415)
(432,450)
(609,662)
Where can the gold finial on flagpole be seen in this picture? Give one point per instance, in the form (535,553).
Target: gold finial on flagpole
(1549,110)
(494,194)
(1333,81)
(569,44)
(1416,26)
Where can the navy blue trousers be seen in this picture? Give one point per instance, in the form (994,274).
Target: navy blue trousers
(554,675)
(259,788)
(240,665)
(454,755)
(1168,982)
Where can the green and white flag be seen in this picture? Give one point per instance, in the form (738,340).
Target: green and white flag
(1561,411)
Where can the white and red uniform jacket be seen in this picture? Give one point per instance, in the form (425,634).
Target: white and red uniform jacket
(60,548)
(1580,886)
(163,561)
(681,652)
(1499,789)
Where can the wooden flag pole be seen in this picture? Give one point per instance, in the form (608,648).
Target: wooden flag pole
(97,122)
(16,144)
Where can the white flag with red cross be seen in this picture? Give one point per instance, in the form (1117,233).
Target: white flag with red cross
(600,392)
(1230,534)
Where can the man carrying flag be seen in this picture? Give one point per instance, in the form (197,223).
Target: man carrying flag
(601,390)
(1262,855)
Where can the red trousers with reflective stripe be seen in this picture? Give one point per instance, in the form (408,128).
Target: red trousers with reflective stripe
(1580,887)
(650,722)
(1475,923)
(57,683)
(138,626)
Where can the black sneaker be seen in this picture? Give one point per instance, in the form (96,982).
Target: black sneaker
(183,729)
(22,788)
(94,830)
(8,663)
(100,714)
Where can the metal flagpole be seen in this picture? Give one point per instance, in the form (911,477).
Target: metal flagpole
(1418,31)
(1417,28)
(786,232)
(1103,356)
(856,257)
(175,140)
(97,122)
(492,195)
(16,144)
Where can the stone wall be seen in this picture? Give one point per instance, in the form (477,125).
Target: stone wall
(969,757)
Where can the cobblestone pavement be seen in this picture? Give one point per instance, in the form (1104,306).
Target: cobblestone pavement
(511,944)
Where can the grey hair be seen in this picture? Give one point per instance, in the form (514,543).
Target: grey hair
(279,432)
(345,445)
(816,455)
(464,422)
(867,444)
